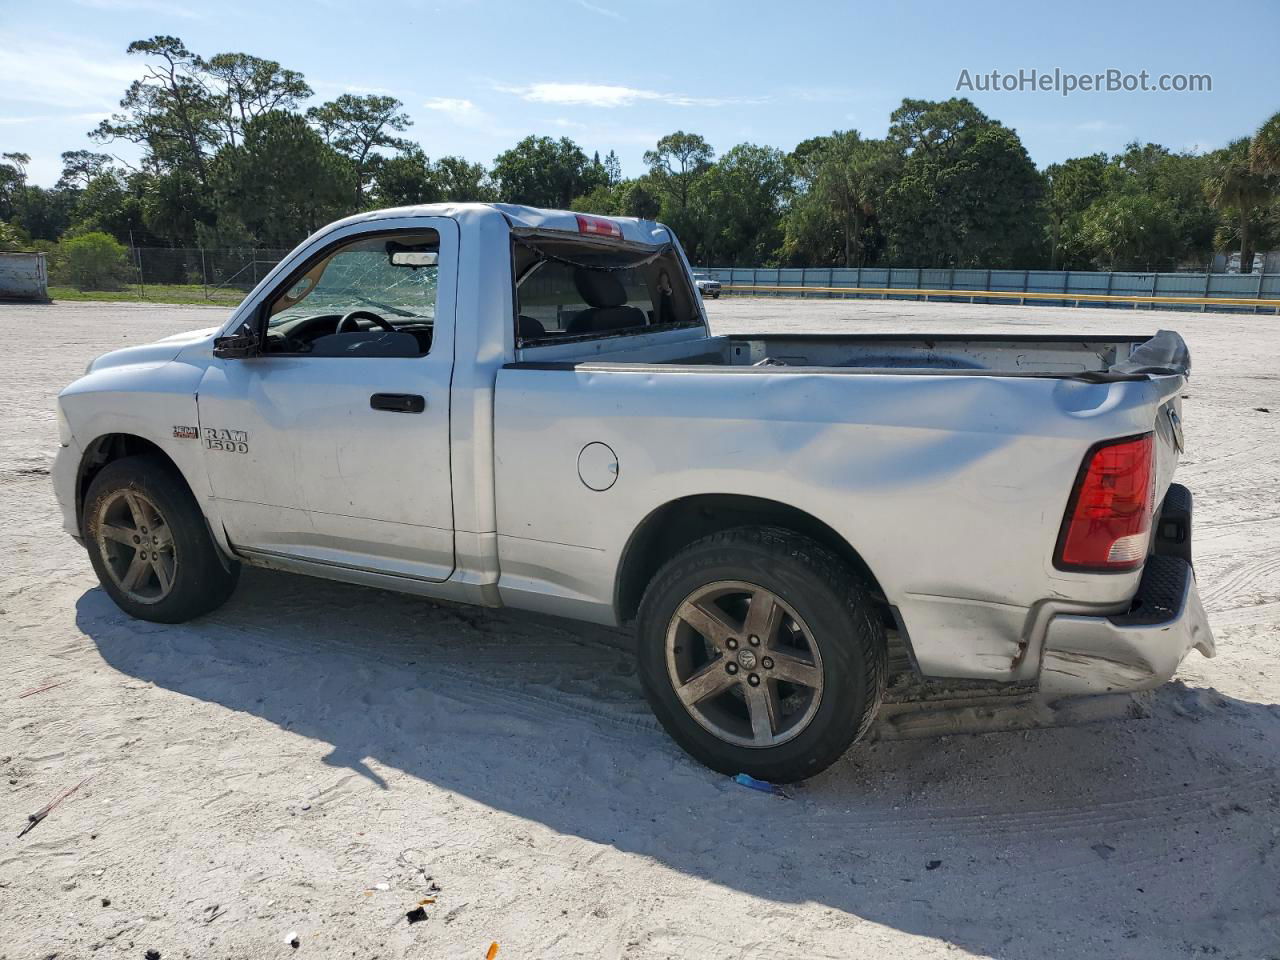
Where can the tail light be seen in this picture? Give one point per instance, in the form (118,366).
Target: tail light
(598,227)
(1108,522)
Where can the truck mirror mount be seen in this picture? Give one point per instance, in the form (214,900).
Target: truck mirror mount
(239,345)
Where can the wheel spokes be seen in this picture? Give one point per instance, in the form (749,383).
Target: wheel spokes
(708,621)
(707,682)
(161,564)
(794,670)
(133,577)
(759,681)
(126,535)
(137,510)
(764,616)
(762,708)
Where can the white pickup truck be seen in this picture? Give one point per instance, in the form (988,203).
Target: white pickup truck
(514,407)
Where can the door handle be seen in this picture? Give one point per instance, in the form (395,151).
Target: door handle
(398,402)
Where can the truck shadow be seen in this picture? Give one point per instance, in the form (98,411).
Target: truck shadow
(1015,845)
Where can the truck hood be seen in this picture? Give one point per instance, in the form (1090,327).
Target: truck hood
(159,352)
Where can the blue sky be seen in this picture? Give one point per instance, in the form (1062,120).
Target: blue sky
(476,75)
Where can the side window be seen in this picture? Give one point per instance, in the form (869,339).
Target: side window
(373,296)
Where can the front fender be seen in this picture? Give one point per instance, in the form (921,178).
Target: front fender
(152,400)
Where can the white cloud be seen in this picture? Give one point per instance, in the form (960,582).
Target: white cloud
(453,106)
(611,95)
(603,11)
(459,111)
(62,75)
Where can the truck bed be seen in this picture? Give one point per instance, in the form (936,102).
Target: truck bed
(1093,358)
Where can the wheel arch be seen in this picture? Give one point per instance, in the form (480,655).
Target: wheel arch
(677,523)
(109,448)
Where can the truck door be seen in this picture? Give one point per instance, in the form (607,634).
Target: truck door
(332,445)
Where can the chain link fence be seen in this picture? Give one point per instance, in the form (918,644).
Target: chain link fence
(171,273)
(219,274)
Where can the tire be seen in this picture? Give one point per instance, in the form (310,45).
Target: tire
(180,574)
(716,295)
(827,634)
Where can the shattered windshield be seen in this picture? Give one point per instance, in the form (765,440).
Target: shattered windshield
(395,279)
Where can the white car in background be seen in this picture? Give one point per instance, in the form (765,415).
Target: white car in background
(706,286)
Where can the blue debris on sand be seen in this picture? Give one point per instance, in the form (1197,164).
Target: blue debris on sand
(762,785)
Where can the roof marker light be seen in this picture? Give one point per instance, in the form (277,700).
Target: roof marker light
(598,227)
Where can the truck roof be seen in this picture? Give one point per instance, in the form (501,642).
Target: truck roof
(521,218)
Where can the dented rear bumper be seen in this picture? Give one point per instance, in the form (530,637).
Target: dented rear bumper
(1136,650)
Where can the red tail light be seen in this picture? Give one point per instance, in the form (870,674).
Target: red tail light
(598,227)
(1108,521)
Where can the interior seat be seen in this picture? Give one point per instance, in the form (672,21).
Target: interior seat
(606,300)
(529,328)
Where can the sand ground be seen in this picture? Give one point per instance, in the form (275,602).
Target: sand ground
(318,758)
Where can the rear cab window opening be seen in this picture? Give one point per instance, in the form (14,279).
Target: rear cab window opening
(572,289)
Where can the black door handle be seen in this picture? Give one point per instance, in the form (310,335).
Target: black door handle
(398,402)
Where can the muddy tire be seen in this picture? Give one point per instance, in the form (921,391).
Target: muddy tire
(149,544)
(761,653)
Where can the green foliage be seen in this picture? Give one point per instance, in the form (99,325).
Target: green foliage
(542,172)
(966,193)
(233,157)
(1264,149)
(169,110)
(462,181)
(357,126)
(282,182)
(95,261)
(81,167)
(1238,188)
(738,205)
(676,163)
(12,238)
(112,203)
(840,182)
(245,87)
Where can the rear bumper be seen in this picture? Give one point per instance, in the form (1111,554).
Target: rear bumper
(1136,650)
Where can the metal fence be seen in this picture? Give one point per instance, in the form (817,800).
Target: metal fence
(212,270)
(1256,292)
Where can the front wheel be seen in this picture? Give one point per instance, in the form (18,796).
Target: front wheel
(760,653)
(149,544)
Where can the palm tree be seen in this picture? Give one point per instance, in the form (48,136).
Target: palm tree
(1236,188)
(1264,150)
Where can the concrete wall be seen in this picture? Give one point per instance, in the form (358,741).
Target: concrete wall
(23,277)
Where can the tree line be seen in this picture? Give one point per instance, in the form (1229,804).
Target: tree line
(232,158)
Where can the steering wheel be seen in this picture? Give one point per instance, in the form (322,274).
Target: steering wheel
(355,315)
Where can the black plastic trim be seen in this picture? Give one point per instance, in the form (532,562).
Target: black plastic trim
(1173,526)
(1160,593)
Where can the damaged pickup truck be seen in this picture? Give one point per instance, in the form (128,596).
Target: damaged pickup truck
(514,407)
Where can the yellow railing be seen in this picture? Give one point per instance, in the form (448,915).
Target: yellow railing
(1009,295)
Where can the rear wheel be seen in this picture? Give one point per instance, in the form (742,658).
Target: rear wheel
(149,545)
(760,653)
